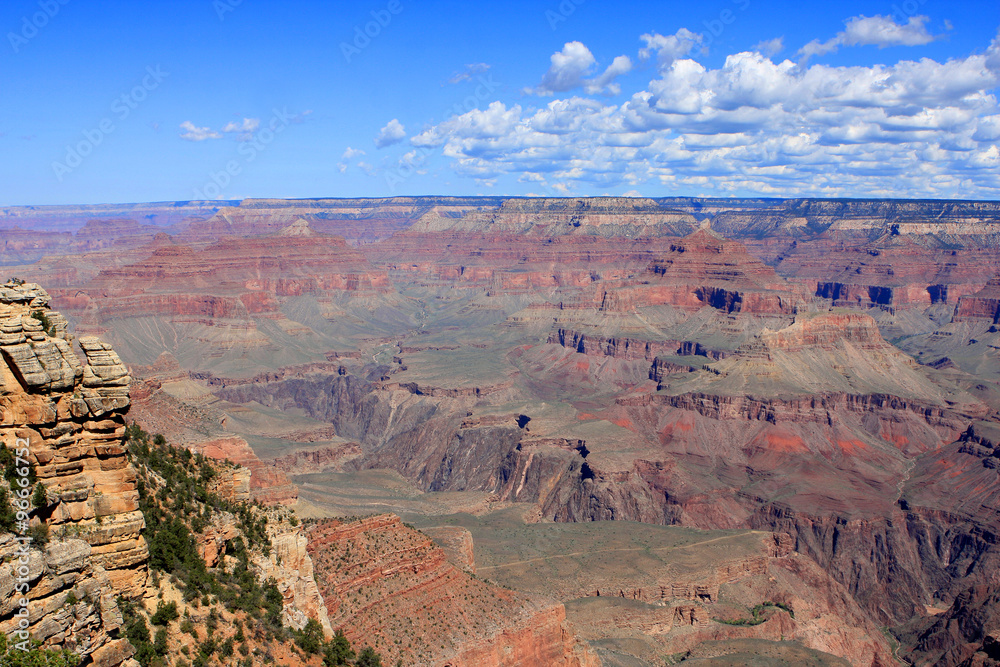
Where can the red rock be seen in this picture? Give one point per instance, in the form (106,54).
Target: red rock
(268,484)
(984,304)
(383,582)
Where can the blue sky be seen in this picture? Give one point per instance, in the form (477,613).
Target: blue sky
(156,101)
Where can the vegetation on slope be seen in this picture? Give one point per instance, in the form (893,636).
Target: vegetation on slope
(244,614)
(13,656)
(757,614)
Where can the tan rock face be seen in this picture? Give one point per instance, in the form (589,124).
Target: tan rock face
(71,417)
(292,569)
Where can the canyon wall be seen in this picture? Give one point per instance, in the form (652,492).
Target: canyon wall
(72,416)
(392,587)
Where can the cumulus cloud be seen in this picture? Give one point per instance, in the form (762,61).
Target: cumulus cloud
(668,48)
(568,69)
(604,83)
(880,31)
(751,125)
(194,133)
(571,67)
(392,133)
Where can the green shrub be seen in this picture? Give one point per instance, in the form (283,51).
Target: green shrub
(35,656)
(188,627)
(337,651)
(368,658)
(7,515)
(137,633)
(39,534)
(12,468)
(310,638)
(160,642)
(39,498)
(165,613)
(47,325)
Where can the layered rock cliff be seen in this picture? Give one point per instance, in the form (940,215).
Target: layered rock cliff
(391,586)
(967,634)
(70,416)
(83,551)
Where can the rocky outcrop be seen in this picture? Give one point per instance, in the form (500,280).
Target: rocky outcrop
(983,305)
(317,460)
(267,484)
(392,587)
(70,417)
(58,574)
(290,565)
(966,635)
(621,347)
(457,544)
(704,269)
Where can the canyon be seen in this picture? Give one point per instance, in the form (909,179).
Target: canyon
(822,370)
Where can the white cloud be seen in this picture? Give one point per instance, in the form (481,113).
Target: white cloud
(770,47)
(568,69)
(349,154)
(392,133)
(880,31)
(669,48)
(883,31)
(913,128)
(603,84)
(248,125)
(193,133)
(572,65)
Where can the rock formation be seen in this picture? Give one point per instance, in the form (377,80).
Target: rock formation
(392,587)
(71,418)
(67,419)
(984,304)
(967,634)
(267,484)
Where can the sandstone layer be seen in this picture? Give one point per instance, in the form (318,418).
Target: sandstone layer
(70,416)
(391,586)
